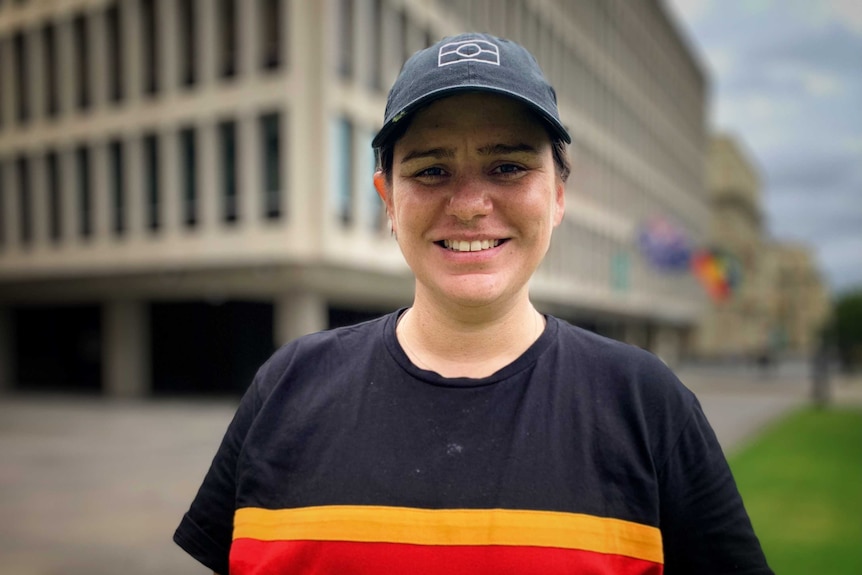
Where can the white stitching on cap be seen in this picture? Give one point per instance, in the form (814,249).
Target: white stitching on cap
(468,51)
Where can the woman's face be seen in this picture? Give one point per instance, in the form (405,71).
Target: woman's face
(473,198)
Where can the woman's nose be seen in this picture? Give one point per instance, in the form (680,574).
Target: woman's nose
(468,199)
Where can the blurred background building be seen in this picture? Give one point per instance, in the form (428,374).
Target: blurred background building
(187,184)
(779,303)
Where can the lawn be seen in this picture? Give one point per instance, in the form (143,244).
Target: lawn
(802,485)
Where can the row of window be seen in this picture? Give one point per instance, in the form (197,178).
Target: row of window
(352,169)
(42,51)
(580,84)
(392,37)
(20,182)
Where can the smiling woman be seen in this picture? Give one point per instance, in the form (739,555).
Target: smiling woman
(469,433)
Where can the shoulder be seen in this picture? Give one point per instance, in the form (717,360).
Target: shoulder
(322,352)
(614,358)
(614,371)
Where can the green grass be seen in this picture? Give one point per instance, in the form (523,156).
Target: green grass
(802,485)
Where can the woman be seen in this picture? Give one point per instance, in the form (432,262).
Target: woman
(469,433)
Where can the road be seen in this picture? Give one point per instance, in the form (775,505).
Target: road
(94,486)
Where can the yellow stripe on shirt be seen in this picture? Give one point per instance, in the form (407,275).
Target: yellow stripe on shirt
(451,527)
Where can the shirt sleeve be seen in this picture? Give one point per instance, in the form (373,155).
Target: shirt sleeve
(705,527)
(206,530)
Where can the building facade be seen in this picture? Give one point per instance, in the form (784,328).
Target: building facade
(186,184)
(780,301)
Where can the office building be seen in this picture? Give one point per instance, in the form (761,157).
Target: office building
(186,184)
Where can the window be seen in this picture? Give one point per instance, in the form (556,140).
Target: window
(82,68)
(187,42)
(149,49)
(376,216)
(151,181)
(188,152)
(118,191)
(270,127)
(342,178)
(270,37)
(52,180)
(25,208)
(114,49)
(19,47)
(230,201)
(49,40)
(227,43)
(344,38)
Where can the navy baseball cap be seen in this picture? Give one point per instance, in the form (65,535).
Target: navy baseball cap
(470,63)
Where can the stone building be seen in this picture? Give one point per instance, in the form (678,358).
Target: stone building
(186,184)
(780,301)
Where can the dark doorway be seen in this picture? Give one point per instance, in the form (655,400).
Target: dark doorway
(58,348)
(201,348)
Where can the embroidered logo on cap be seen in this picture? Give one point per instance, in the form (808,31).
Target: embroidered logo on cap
(468,51)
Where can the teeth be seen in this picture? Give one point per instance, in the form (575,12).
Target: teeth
(474,246)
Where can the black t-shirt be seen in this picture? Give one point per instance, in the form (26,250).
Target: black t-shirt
(584,455)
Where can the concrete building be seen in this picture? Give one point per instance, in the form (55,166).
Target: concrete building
(186,184)
(780,301)
(801,303)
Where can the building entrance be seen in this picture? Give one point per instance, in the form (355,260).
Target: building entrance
(205,349)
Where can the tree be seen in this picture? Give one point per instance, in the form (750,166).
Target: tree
(846,329)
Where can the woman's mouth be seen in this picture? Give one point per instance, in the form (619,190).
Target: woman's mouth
(471,246)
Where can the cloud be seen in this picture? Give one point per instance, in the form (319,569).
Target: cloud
(692,11)
(848,12)
(786,78)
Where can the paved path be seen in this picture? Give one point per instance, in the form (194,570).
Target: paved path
(96,487)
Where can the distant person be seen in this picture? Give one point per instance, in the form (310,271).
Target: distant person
(469,433)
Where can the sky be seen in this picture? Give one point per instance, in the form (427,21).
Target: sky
(786,80)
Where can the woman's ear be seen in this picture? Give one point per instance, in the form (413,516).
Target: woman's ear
(382,187)
(560,202)
(384,190)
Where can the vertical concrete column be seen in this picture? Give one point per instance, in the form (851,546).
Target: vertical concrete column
(250,164)
(206,49)
(7,89)
(248,40)
(6,350)
(134,180)
(97,36)
(308,142)
(130,36)
(39,191)
(36,53)
(12,209)
(298,314)
(667,344)
(101,192)
(69,194)
(207,166)
(169,184)
(67,81)
(168,41)
(126,360)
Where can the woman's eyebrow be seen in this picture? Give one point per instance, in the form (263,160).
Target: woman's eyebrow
(436,153)
(495,149)
(489,150)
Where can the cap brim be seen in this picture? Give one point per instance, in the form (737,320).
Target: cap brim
(404,114)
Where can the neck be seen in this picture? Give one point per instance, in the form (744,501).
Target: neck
(468,345)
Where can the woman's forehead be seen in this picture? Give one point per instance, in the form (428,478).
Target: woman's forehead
(475,113)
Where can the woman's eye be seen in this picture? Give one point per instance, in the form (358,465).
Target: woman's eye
(508,169)
(431,173)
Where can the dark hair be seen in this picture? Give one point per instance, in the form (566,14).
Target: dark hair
(385,153)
